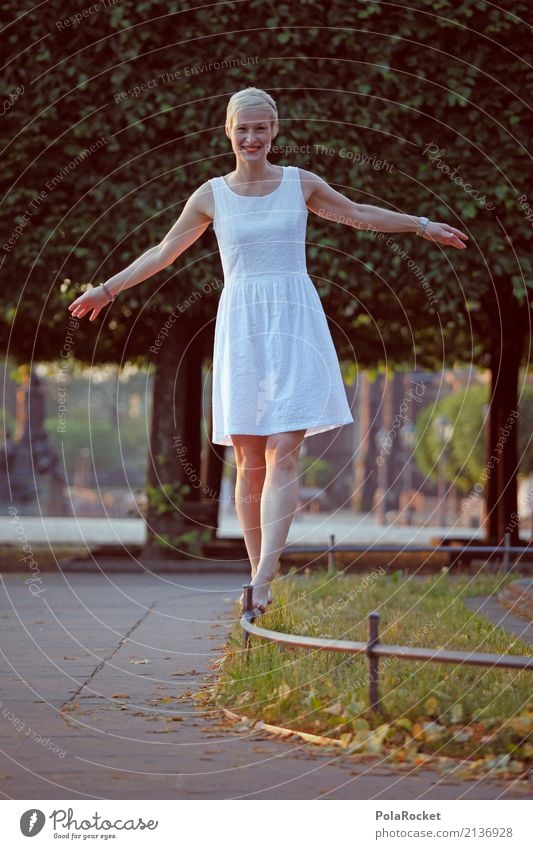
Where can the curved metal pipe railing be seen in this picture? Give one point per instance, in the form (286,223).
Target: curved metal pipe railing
(373,649)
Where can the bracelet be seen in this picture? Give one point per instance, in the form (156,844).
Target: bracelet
(108,293)
(422,224)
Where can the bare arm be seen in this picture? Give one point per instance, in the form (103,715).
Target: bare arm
(193,221)
(327,203)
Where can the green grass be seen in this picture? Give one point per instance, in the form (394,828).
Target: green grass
(427,707)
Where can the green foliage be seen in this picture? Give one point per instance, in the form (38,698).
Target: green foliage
(418,108)
(7,422)
(113,451)
(463,461)
(189,543)
(316,472)
(164,500)
(100,209)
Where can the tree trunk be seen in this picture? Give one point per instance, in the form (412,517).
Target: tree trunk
(214,467)
(359,501)
(490,509)
(212,454)
(365,477)
(392,422)
(508,428)
(165,464)
(192,434)
(501,464)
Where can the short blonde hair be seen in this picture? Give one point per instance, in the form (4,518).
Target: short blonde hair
(249,97)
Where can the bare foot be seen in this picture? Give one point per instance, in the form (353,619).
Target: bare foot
(241,600)
(261,588)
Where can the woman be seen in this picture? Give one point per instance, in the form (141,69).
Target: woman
(276,377)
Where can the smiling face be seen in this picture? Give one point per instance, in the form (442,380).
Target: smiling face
(252,134)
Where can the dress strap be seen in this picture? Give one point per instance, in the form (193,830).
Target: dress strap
(219,198)
(293,175)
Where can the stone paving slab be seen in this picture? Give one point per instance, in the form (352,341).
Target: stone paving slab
(518,597)
(488,606)
(123,730)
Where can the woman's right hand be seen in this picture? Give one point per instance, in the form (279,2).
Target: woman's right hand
(94,299)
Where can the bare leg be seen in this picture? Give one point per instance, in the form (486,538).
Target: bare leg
(251,471)
(278,505)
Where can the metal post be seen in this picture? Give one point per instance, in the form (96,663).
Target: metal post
(506,553)
(373,639)
(331,554)
(246,608)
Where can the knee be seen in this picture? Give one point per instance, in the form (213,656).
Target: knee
(283,456)
(251,465)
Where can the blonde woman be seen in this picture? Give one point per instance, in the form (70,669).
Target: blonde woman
(276,376)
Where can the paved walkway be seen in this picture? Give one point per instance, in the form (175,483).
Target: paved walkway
(309,528)
(98,673)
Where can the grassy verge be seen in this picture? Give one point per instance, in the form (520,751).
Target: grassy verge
(429,709)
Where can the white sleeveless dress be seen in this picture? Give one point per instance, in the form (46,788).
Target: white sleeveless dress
(275,367)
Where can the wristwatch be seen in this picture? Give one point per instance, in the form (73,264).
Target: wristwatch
(422,224)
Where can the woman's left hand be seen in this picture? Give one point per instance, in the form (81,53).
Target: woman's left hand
(445,235)
(94,299)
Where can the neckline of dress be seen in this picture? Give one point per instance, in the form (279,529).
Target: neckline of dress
(257,197)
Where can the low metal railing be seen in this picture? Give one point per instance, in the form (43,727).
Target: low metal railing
(503,552)
(373,649)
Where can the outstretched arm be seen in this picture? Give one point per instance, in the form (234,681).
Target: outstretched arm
(193,221)
(328,203)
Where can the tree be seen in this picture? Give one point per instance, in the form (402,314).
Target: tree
(393,105)
(463,464)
